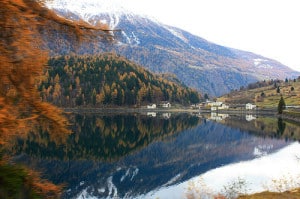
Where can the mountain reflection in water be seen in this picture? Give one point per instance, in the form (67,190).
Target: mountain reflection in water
(128,156)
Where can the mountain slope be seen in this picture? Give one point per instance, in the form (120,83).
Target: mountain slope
(267,93)
(208,67)
(108,79)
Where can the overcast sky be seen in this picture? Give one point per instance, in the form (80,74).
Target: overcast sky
(267,27)
(270,28)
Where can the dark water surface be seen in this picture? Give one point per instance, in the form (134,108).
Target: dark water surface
(127,156)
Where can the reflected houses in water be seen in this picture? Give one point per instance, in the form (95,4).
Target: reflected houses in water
(250,117)
(218,116)
(166,115)
(161,115)
(151,114)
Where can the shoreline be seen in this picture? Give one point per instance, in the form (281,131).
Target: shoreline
(129,110)
(133,110)
(166,110)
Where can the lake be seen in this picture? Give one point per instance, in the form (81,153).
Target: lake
(164,155)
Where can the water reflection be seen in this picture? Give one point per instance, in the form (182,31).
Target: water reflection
(265,126)
(132,155)
(105,137)
(276,172)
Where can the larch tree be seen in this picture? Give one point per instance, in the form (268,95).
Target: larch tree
(22,63)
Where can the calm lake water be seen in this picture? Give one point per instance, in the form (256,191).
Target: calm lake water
(166,155)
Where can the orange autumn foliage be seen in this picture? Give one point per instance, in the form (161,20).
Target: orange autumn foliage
(43,187)
(21,65)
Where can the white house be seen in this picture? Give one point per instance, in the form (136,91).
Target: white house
(213,108)
(217,106)
(166,105)
(152,106)
(223,106)
(250,106)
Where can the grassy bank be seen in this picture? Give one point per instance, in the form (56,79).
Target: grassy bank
(292,194)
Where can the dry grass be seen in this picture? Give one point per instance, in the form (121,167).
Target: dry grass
(289,90)
(293,194)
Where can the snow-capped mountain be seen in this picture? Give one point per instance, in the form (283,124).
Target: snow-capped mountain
(88,10)
(208,67)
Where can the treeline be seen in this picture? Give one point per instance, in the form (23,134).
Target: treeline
(108,79)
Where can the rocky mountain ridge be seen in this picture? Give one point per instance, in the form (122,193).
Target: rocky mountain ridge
(198,63)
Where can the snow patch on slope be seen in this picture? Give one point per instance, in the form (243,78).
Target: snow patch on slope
(131,39)
(177,34)
(262,63)
(89,8)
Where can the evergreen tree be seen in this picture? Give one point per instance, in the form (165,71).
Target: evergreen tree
(206,96)
(281,105)
(286,80)
(281,127)
(278,89)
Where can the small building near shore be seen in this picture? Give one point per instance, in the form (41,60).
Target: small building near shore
(217,106)
(166,105)
(152,106)
(250,106)
(223,107)
(213,108)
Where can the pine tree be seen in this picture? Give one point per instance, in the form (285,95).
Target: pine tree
(278,89)
(281,105)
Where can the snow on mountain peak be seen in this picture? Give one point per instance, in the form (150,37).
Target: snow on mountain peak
(88,9)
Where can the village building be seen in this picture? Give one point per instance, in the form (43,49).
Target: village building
(223,106)
(152,106)
(250,106)
(214,106)
(166,105)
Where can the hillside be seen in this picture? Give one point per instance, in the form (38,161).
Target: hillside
(266,93)
(198,63)
(108,79)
